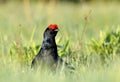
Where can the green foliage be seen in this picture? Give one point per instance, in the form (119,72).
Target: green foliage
(64,49)
(24,54)
(70,19)
(108,46)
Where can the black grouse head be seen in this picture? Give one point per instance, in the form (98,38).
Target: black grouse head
(51,31)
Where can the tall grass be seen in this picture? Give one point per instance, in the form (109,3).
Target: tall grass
(20,40)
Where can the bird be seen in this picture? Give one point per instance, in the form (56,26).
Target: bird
(48,53)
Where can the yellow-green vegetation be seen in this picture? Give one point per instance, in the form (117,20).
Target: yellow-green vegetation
(89,40)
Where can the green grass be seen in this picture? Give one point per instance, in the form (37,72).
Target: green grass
(26,29)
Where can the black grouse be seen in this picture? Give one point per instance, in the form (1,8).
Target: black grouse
(48,55)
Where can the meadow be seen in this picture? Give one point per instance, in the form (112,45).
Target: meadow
(83,30)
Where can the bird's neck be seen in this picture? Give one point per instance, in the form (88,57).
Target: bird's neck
(48,43)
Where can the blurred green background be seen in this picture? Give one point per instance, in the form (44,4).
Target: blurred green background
(70,15)
(22,23)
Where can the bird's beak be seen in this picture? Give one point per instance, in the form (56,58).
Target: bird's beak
(56,30)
